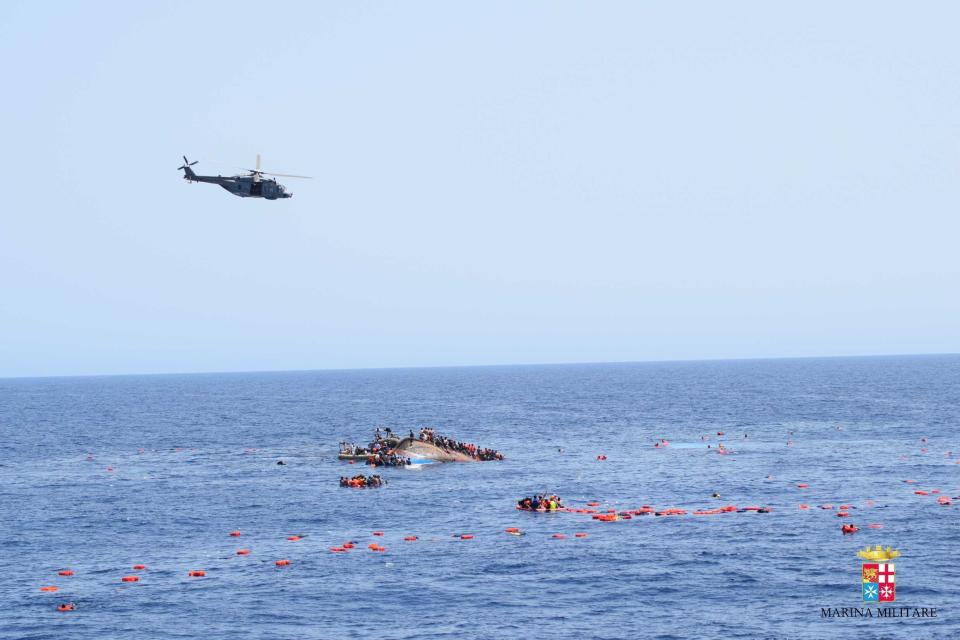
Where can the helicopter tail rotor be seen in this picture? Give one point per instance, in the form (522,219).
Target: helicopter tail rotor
(187,171)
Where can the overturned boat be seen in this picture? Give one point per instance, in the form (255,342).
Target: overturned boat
(427,448)
(420,451)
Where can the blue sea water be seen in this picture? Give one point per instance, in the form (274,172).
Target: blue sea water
(193,457)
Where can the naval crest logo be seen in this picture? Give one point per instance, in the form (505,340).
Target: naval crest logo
(878,576)
(878,587)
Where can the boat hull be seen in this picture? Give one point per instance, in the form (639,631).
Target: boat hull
(352,456)
(420,450)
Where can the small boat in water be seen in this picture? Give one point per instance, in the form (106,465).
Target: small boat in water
(356,457)
(350,451)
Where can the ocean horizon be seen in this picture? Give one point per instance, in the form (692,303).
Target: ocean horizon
(481,365)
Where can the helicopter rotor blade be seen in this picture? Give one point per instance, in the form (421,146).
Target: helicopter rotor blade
(285,175)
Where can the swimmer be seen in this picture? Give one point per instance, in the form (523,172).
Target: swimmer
(716,494)
(281,462)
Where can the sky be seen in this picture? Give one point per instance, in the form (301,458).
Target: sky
(494,182)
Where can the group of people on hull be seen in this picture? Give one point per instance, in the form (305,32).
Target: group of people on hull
(428,435)
(540,503)
(361,481)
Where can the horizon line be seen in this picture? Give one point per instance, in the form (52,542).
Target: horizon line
(477,366)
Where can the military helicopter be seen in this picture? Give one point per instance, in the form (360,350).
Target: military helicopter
(252,185)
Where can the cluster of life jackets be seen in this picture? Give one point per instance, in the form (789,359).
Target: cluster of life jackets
(359,482)
(610,517)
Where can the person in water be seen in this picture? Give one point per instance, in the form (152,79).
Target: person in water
(388,459)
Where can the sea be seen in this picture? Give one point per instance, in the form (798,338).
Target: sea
(98,474)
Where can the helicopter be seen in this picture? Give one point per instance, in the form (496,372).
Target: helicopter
(251,185)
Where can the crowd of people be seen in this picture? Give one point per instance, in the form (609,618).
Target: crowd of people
(386,437)
(540,503)
(361,481)
(428,435)
(383,440)
(382,452)
(387,459)
(377,454)
(351,449)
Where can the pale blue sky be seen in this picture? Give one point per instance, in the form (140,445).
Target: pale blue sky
(496,182)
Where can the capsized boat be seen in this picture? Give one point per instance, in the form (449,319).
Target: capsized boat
(420,450)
